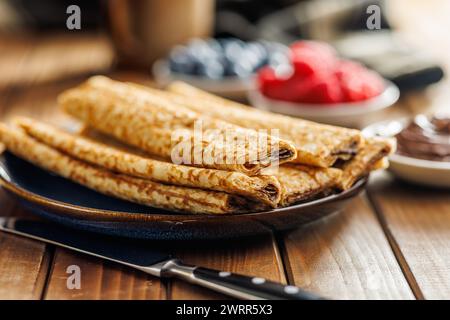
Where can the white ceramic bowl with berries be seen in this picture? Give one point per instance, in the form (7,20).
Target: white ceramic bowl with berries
(319,86)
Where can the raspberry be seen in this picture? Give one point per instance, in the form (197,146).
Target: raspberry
(271,85)
(266,79)
(358,83)
(310,58)
(323,90)
(320,48)
(320,77)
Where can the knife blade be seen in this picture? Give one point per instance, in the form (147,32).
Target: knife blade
(142,256)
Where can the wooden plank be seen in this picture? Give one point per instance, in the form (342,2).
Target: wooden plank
(24,265)
(39,102)
(419,220)
(345,256)
(253,256)
(100,280)
(33,64)
(26,60)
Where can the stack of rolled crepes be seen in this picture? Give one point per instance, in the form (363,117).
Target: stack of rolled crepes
(127,150)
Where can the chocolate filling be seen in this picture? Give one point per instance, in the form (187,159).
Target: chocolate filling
(351,150)
(285,154)
(271,191)
(240,204)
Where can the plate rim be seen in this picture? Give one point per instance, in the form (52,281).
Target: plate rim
(112,215)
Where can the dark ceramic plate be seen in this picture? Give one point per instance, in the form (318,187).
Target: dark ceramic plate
(68,203)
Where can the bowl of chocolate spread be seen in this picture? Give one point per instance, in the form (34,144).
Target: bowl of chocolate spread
(423,148)
(426,138)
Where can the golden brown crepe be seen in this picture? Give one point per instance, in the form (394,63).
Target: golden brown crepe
(263,188)
(300,183)
(316,144)
(167,129)
(374,150)
(146,192)
(381,164)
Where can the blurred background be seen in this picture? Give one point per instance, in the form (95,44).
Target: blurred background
(223,45)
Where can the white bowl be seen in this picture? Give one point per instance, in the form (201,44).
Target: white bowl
(229,87)
(349,114)
(425,172)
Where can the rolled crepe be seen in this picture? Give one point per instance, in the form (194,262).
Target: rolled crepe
(146,192)
(263,188)
(169,130)
(295,178)
(317,144)
(301,183)
(381,164)
(367,159)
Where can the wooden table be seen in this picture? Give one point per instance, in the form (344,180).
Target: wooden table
(392,242)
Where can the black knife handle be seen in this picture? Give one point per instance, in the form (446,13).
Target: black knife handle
(236,285)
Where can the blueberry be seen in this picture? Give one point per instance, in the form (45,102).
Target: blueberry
(211,68)
(215,46)
(242,68)
(224,42)
(278,58)
(252,58)
(180,61)
(257,48)
(233,50)
(228,68)
(217,58)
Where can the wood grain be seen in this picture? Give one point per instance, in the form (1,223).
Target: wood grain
(24,265)
(345,256)
(100,280)
(419,220)
(253,256)
(39,102)
(27,59)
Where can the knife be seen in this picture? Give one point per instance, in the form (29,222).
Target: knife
(141,256)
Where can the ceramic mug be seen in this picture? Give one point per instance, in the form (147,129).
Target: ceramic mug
(144,30)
